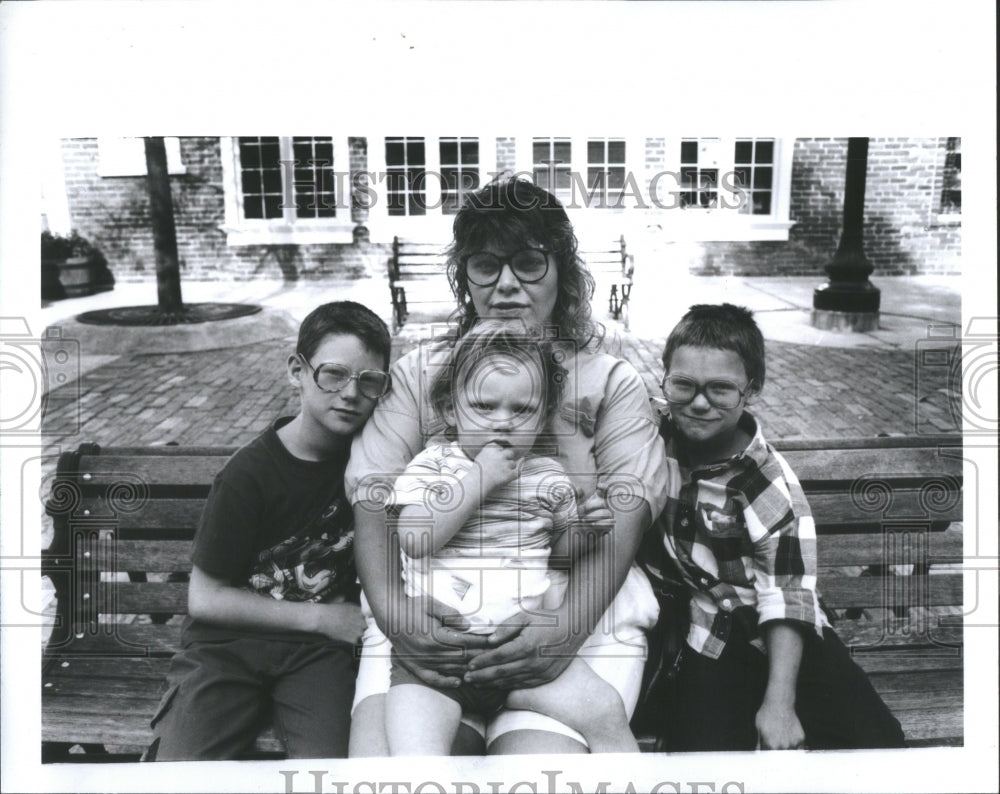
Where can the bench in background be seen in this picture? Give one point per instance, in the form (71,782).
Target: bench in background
(883,507)
(418,277)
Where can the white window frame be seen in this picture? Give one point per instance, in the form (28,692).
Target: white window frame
(725,223)
(287,230)
(434,225)
(594,224)
(127,157)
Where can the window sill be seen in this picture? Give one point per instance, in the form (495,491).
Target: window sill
(286,235)
(947,219)
(686,227)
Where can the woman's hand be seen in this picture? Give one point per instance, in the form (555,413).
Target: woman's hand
(527,651)
(431,644)
(595,515)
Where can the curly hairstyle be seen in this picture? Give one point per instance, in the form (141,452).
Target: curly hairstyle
(489,338)
(512,212)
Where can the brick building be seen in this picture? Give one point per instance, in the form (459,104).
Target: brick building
(303,207)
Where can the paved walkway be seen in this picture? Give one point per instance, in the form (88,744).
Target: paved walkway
(220,385)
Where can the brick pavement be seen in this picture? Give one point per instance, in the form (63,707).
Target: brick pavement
(225,397)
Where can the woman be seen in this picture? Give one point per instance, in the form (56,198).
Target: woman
(524,268)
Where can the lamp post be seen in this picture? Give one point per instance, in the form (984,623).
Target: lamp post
(848,301)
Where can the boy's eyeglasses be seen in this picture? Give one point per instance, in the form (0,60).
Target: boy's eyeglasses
(529,266)
(372,383)
(723,394)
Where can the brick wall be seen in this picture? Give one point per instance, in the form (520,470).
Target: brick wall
(113,212)
(904,232)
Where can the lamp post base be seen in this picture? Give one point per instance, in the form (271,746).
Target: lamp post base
(852,322)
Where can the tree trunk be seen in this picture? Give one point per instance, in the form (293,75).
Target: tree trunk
(168,274)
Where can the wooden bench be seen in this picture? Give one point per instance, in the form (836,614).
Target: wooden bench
(133,510)
(421,268)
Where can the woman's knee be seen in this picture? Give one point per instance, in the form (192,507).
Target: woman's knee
(534,742)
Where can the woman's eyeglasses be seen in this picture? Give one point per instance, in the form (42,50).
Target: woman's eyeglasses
(372,383)
(529,266)
(722,394)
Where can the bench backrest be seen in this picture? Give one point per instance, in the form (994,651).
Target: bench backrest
(877,503)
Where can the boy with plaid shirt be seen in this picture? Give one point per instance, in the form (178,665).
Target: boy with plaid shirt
(761,666)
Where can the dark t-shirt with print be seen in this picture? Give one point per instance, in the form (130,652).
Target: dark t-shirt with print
(278,526)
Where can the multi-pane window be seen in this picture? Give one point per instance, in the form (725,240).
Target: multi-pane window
(289,178)
(951,193)
(754,173)
(717,173)
(406,177)
(699,174)
(314,188)
(459,170)
(605,171)
(551,164)
(260,178)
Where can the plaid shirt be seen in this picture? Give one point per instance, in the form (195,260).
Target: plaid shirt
(744,539)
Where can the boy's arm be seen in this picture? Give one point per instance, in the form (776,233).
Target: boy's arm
(778,725)
(214,600)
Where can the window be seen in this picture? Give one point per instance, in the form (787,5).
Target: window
(552,164)
(606,171)
(283,190)
(951,192)
(406,176)
(754,173)
(459,170)
(289,179)
(416,182)
(699,174)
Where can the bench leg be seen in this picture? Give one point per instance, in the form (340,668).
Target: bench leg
(614,306)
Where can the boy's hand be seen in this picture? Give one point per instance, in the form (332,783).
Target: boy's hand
(497,465)
(779,728)
(341,621)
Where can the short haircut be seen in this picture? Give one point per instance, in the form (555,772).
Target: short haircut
(723,327)
(496,337)
(344,317)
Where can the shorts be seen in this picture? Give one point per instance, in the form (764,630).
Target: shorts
(616,651)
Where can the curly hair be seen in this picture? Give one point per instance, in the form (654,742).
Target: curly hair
(526,347)
(512,212)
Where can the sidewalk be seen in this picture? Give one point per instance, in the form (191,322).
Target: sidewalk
(221,383)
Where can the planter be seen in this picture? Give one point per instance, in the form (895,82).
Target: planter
(84,275)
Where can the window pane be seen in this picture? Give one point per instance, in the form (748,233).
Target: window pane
(689,151)
(595,151)
(393,152)
(449,151)
(764,153)
(762,178)
(272,180)
(272,206)
(744,152)
(761,203)
(616,151)
(741,176)
(561,151)
(616,178)
(253,207)
(539,151)
(470,152)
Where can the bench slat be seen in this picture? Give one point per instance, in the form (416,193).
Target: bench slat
(153,514)
(158,469)
(870,549)
(843,508)
(939,644)
(154,556)
(848,465)
(867,591)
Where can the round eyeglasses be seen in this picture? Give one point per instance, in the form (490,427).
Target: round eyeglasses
(529,266)
(722,394)
(372,383)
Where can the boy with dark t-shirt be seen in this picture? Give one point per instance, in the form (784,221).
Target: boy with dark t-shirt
(272,605)
(761,666)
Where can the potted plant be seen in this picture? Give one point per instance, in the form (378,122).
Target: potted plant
(72,266)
